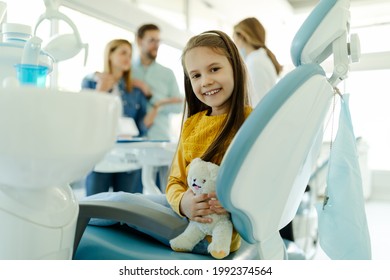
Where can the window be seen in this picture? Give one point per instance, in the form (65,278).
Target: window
(96,34)
(72,71)
(369,105)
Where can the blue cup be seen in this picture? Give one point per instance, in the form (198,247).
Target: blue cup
(29,74)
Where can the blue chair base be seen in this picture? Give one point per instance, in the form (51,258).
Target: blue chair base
(121,242)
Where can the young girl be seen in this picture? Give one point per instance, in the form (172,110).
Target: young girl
(217,105)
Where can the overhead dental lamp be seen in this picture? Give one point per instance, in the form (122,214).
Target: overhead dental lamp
(62,46)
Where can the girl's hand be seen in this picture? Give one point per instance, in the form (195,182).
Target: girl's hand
(215,205)
(195,207)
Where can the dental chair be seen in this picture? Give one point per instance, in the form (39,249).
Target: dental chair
(266,169)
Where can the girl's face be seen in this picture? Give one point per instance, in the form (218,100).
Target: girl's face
(121,58)
(211,78)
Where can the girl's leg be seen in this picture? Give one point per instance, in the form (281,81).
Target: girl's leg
(156,202)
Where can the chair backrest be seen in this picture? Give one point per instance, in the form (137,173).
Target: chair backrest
(268,165)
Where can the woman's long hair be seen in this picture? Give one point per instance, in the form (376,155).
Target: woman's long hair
(111,47)
(253,32)
(221,43)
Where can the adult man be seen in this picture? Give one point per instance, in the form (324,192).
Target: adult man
(159,83)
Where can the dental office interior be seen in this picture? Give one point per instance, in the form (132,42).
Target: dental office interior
(92,24)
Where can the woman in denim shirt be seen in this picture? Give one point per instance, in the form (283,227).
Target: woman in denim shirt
(116,79)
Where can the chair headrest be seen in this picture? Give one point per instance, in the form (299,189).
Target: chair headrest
(313,41)
(325,32)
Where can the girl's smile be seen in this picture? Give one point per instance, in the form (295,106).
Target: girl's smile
(211,92)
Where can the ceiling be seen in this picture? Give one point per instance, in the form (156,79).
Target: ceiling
(281,18)
(308,4)
(194,16)
(363,12)
(367,11)
(180,19)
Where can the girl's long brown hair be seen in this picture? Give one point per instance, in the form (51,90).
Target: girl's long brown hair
(221,43)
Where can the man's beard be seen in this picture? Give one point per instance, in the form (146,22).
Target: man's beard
(151,55)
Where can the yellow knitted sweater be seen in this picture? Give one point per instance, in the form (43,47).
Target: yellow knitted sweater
(197,134)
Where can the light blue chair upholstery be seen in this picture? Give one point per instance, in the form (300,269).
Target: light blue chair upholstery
(264,173)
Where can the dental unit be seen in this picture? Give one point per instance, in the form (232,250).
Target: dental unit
(45,145)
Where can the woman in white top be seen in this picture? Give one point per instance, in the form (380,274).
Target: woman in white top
(263,67)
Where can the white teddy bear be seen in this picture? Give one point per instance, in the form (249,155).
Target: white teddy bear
(201,179)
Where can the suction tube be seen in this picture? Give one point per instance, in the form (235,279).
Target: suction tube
(31,51)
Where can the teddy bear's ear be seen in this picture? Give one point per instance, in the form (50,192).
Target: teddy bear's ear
(196,160)
(213,169)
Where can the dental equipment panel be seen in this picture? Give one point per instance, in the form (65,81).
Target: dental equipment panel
(266,169)
(45,145)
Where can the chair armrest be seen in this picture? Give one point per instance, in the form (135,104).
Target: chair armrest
(160,225)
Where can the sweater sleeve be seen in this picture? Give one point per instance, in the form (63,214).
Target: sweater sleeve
(177,181)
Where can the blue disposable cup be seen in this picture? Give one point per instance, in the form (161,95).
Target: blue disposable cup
(29,74)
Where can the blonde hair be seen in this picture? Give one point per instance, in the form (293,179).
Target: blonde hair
(253,32)
(110,48)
